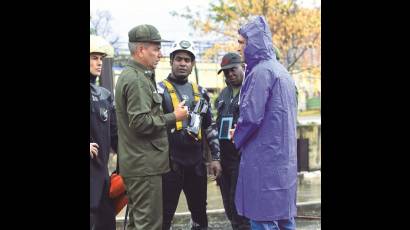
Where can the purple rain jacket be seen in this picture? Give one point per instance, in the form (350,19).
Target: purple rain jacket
(266,131)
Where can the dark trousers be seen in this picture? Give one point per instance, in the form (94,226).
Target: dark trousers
(103,218)
(227,183)
(191,180)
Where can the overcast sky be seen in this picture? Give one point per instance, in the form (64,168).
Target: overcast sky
(129,13)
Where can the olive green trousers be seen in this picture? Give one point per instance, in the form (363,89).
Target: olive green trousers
(145,202)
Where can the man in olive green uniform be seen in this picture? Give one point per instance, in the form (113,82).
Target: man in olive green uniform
(142,129)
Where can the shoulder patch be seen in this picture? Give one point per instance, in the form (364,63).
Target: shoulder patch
(160,87)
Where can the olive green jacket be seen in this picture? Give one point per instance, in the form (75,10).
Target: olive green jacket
(142,133)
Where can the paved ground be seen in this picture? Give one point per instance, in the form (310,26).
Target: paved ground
(309,198)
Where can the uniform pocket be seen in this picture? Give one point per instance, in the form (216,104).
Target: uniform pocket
(160,144)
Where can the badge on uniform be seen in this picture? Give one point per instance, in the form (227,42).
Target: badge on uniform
(226,124)
(103,114)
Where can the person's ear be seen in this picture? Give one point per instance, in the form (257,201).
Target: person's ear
(140,51)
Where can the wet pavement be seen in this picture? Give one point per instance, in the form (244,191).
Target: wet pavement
(308,190)
(308,199)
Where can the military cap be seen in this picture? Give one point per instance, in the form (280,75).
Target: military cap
(144,33)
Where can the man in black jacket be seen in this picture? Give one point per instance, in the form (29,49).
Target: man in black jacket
(188,169)
(228,113)
(103,136)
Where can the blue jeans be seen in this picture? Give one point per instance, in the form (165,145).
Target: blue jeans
(288,224)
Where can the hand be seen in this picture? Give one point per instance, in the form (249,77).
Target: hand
(216,168)
(232,132)
(181,111)
(93,150)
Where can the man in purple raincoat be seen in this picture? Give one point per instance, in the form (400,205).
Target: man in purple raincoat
(266,134)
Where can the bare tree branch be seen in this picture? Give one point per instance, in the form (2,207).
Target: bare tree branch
(264,8)
(301,53)
(100,25)
(294,71)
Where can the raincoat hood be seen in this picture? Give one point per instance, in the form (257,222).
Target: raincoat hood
(259,45)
